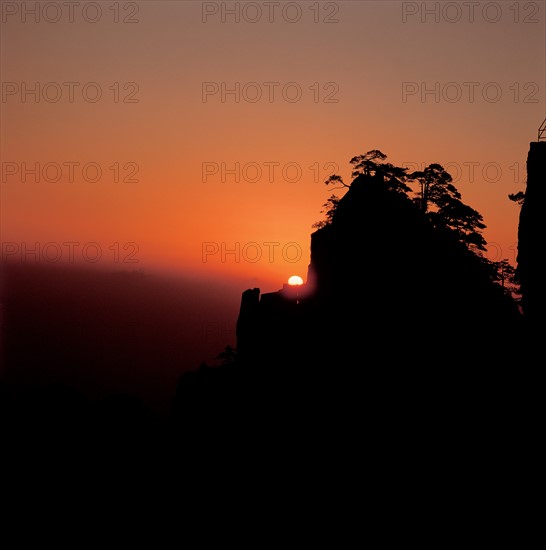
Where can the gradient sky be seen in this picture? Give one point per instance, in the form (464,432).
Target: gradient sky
(169,212)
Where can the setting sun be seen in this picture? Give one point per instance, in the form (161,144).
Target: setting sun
(295,281)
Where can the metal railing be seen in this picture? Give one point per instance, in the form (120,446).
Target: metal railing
(542,131)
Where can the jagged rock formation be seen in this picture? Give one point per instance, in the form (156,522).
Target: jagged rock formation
(383,282)
(532,237)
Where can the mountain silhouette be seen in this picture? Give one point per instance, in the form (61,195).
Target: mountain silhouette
(400,329)
(380,274)
(401,332)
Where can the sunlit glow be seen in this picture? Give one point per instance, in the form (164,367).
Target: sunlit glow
(295,281)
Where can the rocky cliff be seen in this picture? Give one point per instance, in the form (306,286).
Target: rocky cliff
(532,237)
(383,281)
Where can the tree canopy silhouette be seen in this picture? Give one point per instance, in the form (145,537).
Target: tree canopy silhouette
(329,209)
(435,186)
(518,197)
(437,197)
(371,164)
(441,202)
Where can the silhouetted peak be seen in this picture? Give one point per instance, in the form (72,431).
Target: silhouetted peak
(380,267)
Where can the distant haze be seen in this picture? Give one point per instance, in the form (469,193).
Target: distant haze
(106,332)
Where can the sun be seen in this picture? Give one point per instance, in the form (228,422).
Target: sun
(295,281)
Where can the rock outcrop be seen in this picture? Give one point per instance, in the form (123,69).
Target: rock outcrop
(385,283)
(532,237)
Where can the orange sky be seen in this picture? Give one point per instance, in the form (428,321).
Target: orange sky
(364,61)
